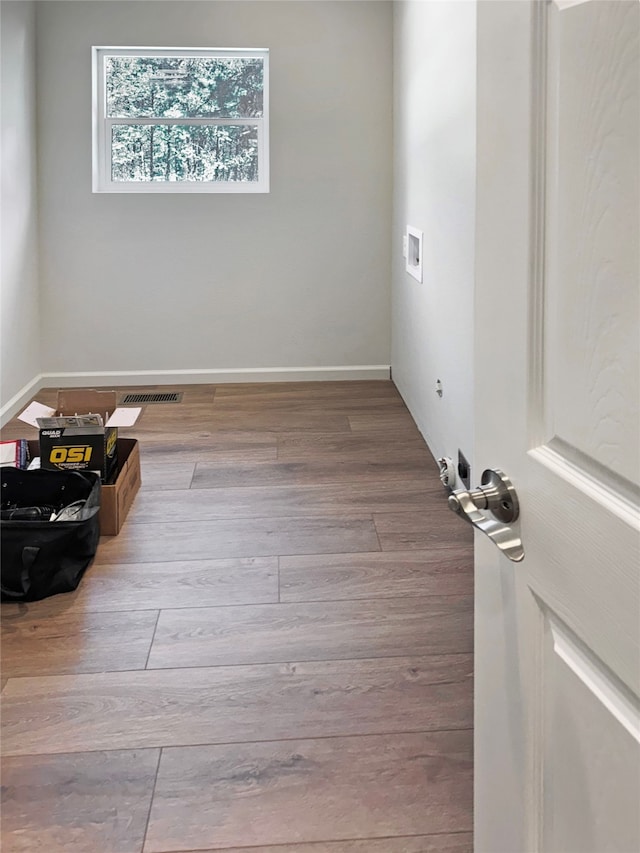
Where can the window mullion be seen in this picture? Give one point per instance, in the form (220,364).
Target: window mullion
(184,121)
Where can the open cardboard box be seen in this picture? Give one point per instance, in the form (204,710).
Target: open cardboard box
(117,495)
(83,401)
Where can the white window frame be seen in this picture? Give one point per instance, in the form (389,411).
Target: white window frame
(101,153)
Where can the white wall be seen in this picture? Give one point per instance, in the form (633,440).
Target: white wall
(299,277)
(434,190)
(20,330)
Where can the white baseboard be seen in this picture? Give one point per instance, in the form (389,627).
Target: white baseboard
(212,376)
(188,377)
(20,400)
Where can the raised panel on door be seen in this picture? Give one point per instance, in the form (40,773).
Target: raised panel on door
(592,308)
(590,763)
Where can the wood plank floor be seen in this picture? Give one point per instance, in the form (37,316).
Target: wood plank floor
(274,654)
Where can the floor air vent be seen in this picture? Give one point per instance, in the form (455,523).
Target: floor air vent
(172,397)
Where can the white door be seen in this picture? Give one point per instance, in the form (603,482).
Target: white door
(557,401)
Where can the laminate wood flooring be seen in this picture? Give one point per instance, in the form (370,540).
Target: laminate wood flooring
(230,704)
(274,654)
(78,803)
(344,630)
(458,843)
(311,788)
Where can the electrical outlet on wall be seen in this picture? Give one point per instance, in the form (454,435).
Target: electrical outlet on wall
(464,469)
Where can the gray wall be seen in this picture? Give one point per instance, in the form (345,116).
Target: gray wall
(299,277)
(20,329)
(434,190)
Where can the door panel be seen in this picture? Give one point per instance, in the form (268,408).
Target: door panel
(586,790)
(557,408)
(592,235)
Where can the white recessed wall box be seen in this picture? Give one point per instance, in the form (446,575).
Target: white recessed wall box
(414,253)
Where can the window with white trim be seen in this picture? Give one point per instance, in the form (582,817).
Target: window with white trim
(180,120)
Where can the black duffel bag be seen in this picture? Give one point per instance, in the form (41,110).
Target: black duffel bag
(42,556)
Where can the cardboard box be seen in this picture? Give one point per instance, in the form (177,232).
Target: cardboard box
(14,454)
(79,444)
(81,433)
(116,497)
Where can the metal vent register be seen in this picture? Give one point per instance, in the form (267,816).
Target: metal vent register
(172,397)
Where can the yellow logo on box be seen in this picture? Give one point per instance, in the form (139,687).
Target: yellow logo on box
(111,442)
(70,454)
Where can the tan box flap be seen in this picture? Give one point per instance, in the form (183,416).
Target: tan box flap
(85,401)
